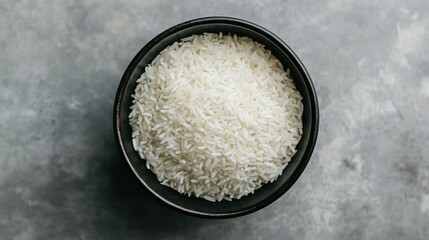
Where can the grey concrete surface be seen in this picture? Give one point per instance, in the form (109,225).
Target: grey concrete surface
(61,175)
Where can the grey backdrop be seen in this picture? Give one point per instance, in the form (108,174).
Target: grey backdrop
(61,175)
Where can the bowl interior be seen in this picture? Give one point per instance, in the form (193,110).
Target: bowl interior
(268,192)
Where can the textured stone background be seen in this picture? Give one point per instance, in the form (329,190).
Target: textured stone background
(61,175)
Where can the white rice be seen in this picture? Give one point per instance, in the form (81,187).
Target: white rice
(216,116)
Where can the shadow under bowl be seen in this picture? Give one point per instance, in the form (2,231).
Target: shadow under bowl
(269,192)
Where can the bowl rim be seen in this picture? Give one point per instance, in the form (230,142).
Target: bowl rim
(120,94)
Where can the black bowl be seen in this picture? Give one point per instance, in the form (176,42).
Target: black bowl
(268,193)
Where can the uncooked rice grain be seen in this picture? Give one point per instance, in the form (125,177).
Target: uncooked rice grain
(216,116)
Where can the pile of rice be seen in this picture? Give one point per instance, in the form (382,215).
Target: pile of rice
(216,116)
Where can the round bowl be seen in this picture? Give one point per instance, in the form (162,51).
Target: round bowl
(269,192)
